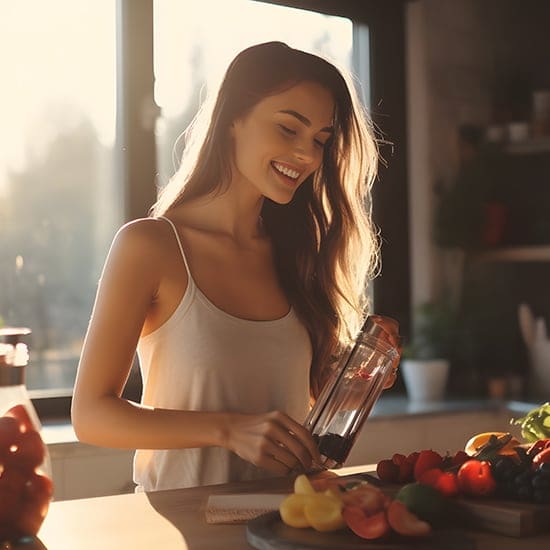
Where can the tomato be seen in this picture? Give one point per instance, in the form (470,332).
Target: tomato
(405,522)
(9,432)
(445,482)
(370,527)
(28,452)
(19,412)
(426,460)
(370,499)
(475,478)
(541,457)
(12,484)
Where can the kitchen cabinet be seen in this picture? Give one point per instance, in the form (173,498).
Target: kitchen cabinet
(82,471)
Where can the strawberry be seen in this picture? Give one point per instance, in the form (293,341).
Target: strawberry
(459,458)
(388,471)
(398,459)
(406,470)
(427,460)
(413,457)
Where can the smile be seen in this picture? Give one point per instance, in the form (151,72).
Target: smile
(288,172)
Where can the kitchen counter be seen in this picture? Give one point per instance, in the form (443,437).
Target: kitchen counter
(174,520)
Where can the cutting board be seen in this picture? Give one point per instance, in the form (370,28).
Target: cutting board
(510,518)
(268,532)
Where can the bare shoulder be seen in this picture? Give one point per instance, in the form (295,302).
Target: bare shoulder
(141,247)
(146,236)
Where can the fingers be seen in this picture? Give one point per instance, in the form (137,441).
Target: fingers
(391,330)
(295,438)
(272,441)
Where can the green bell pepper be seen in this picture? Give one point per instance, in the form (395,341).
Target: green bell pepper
(535,424)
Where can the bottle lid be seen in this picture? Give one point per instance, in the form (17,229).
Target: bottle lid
(12,335)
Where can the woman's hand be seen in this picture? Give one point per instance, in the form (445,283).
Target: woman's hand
(391,336)
(272,441)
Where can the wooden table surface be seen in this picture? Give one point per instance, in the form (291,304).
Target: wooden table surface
(173,520)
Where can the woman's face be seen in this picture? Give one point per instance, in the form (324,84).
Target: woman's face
(280,142)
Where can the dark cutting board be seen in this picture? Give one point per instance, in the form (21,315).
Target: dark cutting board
(268,532)
(505,517)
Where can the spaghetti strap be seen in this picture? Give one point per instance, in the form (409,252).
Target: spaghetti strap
(180,246)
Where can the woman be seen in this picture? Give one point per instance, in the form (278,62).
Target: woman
(243,284)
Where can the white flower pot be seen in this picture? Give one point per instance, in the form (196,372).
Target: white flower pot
(425,379)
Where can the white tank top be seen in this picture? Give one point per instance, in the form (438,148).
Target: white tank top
(203,359)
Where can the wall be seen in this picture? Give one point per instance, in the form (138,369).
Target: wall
(462,56)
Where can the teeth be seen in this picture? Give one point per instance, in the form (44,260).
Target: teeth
(286,171)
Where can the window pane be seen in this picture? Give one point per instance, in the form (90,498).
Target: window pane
(59,206)
(194,43)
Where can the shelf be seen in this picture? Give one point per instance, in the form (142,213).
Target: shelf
(538,253)
(534,145)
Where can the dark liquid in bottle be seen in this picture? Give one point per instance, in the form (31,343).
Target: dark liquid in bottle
(334,446)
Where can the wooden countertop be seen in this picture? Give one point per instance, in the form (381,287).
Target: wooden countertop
(174,520)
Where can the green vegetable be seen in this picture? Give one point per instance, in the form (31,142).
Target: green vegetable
(535,424)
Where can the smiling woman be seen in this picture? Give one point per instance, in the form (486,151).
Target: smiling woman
(293,150)
(246,281)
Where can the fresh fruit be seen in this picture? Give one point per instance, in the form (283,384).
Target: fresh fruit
(366,526)
(425,502)
(324,512)
(387,471)
(292,510)
(25,494)
(475,478)
(370,499)
(19,412)
(9,432)
(537,447)
(459,458)
(27,452)
(445,482)
(475,443)
(302,485)
(404,522)
(541,457)
(426,460)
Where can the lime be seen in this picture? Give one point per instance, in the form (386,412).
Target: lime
(423,501)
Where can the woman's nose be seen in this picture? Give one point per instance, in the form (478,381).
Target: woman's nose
(304,153)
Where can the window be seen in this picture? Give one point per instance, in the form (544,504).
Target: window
(59,204)
(62,197)
(194,43)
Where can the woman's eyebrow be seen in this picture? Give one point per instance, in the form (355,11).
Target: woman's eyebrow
(304,120)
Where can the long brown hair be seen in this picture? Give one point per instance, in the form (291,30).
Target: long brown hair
(325,245)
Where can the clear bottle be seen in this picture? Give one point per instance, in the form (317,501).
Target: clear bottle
(26,486)
(349,396)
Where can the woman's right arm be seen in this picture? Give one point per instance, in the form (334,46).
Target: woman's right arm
(128,287)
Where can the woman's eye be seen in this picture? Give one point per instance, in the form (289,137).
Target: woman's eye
(286,130)
(319,143)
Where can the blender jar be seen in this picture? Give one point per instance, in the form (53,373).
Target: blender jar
(349,396)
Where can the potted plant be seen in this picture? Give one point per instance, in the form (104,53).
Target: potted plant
(425,360)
